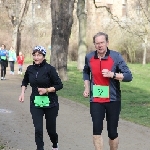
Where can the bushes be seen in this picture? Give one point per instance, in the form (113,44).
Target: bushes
(131,48)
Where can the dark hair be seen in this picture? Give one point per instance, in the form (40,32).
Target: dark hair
(4,45)
(38,52)
(99,34)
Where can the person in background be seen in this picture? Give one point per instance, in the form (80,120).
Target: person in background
(4,61)
(44,81)
(20,61)
(102,73)
(0,57)
(11,59)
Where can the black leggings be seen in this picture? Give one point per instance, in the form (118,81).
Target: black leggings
(50,116)
(11,64)
(3,70)
(112,110)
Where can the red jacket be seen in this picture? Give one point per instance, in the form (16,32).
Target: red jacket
(20,60)
(92,71)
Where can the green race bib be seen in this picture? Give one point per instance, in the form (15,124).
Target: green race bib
(41,101)
(3,57)
(100,91)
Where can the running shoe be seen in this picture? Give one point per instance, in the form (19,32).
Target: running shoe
(55,148)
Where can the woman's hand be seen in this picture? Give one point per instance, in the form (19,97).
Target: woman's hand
(42,91)
(21,98)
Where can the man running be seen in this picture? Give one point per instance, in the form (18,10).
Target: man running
(102,73)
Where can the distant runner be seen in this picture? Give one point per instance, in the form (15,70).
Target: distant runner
(4,61)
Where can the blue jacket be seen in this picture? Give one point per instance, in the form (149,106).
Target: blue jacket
(3,54)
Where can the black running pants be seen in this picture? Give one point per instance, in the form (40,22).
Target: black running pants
(50,116)
(112,111)
(3,70)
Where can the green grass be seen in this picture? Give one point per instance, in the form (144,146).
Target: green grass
(135,94)
(73,88)
(2,147)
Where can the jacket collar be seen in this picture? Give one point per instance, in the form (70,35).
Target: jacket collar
(105,57)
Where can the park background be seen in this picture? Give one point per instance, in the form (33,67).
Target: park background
(66,28)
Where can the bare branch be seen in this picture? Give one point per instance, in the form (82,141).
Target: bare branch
(144,12)
(24,11)
(127,27)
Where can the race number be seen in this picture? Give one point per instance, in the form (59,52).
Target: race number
(100,91)
(41,101)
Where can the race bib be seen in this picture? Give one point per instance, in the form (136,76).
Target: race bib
(3,57)
(100,91)
(41,101)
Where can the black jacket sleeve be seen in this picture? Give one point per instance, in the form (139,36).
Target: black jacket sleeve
(56,81)
(25,80)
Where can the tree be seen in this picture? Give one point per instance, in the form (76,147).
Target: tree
(82,46)
(62,19)
(135,22)
(17,15)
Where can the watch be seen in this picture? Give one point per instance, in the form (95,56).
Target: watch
(114,76)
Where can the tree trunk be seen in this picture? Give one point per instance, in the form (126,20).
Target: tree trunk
(62,19)
(82,46)
(145,50)
(15,37)
(17,15)
(144,55)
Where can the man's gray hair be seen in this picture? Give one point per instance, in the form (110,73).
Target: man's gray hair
(99,34)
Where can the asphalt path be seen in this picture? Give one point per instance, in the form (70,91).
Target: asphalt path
(74,125)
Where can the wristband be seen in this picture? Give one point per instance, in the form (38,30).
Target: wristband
(47,91)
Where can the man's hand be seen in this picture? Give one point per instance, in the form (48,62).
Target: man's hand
(86,90)
(107,73)
(86,93)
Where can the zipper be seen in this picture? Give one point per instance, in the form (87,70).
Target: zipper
(36,74)
(100,65)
